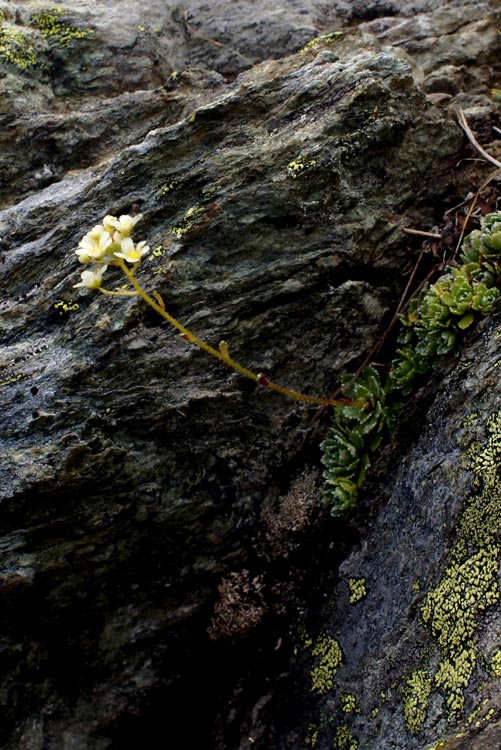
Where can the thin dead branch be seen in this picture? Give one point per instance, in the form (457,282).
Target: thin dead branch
(420,232)
(492,176)
(476,145)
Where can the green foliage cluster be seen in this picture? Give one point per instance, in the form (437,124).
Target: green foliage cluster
(433,322)
(431,327)
(357,430)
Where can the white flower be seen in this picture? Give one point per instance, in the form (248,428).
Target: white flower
(118,237)
(130,252)
(96,231)
(109,223)
(92,279)
(93,247)
(124,225)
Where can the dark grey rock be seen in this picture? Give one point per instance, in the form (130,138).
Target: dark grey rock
(135,471)
(434,499)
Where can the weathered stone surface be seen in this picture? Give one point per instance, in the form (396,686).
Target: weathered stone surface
(134,470)
(430,593)
(84,81)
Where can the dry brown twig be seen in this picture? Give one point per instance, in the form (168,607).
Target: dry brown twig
(478,148)
(496,173)
(420,233)
(476,145)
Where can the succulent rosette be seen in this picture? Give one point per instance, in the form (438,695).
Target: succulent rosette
(430,328)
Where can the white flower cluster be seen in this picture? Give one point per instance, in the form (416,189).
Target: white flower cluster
(105,244)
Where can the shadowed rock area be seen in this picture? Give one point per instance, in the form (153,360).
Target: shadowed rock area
(167,566)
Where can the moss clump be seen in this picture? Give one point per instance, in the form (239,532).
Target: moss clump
(15,48)
(358,589)
(55,30)
(330,658)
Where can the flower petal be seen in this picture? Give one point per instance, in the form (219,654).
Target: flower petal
(92,279)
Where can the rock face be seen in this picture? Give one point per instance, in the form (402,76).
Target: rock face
(137,475)
(414,610)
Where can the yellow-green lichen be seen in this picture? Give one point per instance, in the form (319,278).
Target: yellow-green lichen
(474,714)
(169,187)
(344,739)
(158,252)
(480,716)
(64,307)
(187,222)
(311,738)
(154,257)
(415,699)
(469,585)
(15,49)
(305,639)
(330,38)
(13,379)
(484,459)
(453,677)
(452,609)
(481,519)
(211,191)
(330,658)
(470,420)
(296,166)
(357,589)
(495,663)
(466,589)
(49,22)
(348,703)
